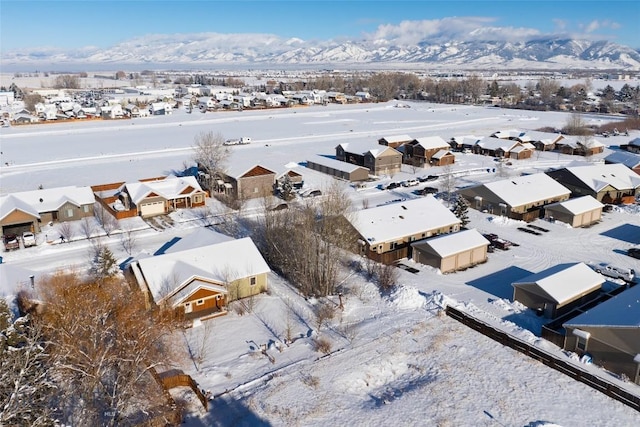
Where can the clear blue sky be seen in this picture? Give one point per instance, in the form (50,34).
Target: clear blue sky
(75,24)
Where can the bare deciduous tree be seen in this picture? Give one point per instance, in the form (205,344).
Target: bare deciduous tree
(105,219)
(102,356)
(211,155)
(66,231)
(128,240)
(86,227)
(449,182)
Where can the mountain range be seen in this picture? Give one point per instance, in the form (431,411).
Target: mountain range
(263,51)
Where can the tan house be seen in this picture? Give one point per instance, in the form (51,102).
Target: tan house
(607,183)
(250,183)
(519,198)
(451,252)
(342,170)
(199,282)
(421,151)
(577,212)
(610,334)
(498,147)
(559,289)
(386,232)
(158,196)
(26,211)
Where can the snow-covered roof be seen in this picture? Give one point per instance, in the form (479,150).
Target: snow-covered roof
(511,133)
(364,147)
(335,164)
(197,239)
(450,244)
(491,143)
(397,138)
(432,142)
(45,200)
(563,282)
(621,311)
(440,154)
(221,262)
(526,189)
(598,176)
(466,139)
(628,159)
(170,188)
(395,221)
(577,206)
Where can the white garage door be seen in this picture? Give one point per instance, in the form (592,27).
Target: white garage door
(149,209)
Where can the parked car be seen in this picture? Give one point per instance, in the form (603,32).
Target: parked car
(28,239)
(280,207)
(11,242)
(392,185)
(626,274)
(497,242)
(634,253)
(410,183)
(428,178)
(426,190)
(311,193)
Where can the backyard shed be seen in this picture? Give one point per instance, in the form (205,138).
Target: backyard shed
(453,251)
(558,289)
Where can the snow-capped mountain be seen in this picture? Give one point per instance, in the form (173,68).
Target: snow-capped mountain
(269,50)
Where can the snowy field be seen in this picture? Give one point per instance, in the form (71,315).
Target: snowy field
(395,359)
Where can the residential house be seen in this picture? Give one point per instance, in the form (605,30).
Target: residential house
(558,289)
(242,182)
(24,119)
(610,334)
(577,212)
(379,161)
(497,147)
(160,108)
(519,198)
(629,159)
(466,143)
(199,282)
(26,211)
(206,103)
(543,141)
(632,146)
(420,152)
(581,146)
(608,183)
(160,196)
(336,97)
(111,111)
(451,252)
(132,110)
(395,141)
(386,232)
(342,170)
(295,179)
(363,95)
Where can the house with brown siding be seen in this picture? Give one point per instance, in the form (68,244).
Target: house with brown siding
(519,198)
(610,334)
(379,161)
(581,146)
(420,151)
(199,282)
(26,211)
(395,141)
(386,232)
(159,196)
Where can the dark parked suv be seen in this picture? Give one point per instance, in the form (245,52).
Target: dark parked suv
(634,253)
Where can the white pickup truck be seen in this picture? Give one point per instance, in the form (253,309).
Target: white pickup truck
(242,141)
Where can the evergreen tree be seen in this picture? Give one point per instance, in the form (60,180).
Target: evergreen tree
(104,264)
(461,211)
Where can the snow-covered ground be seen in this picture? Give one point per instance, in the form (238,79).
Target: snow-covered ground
(394,360)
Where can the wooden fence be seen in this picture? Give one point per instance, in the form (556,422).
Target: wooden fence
(185,380)
(575,372)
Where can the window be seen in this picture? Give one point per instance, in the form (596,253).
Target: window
(200,302)
(253,281)
(581,344)
(582,340)
(86,208)
(255,190)
(69,213)
(187,307)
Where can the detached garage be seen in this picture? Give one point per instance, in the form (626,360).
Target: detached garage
(578,212)
(557,290)
(452,252)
